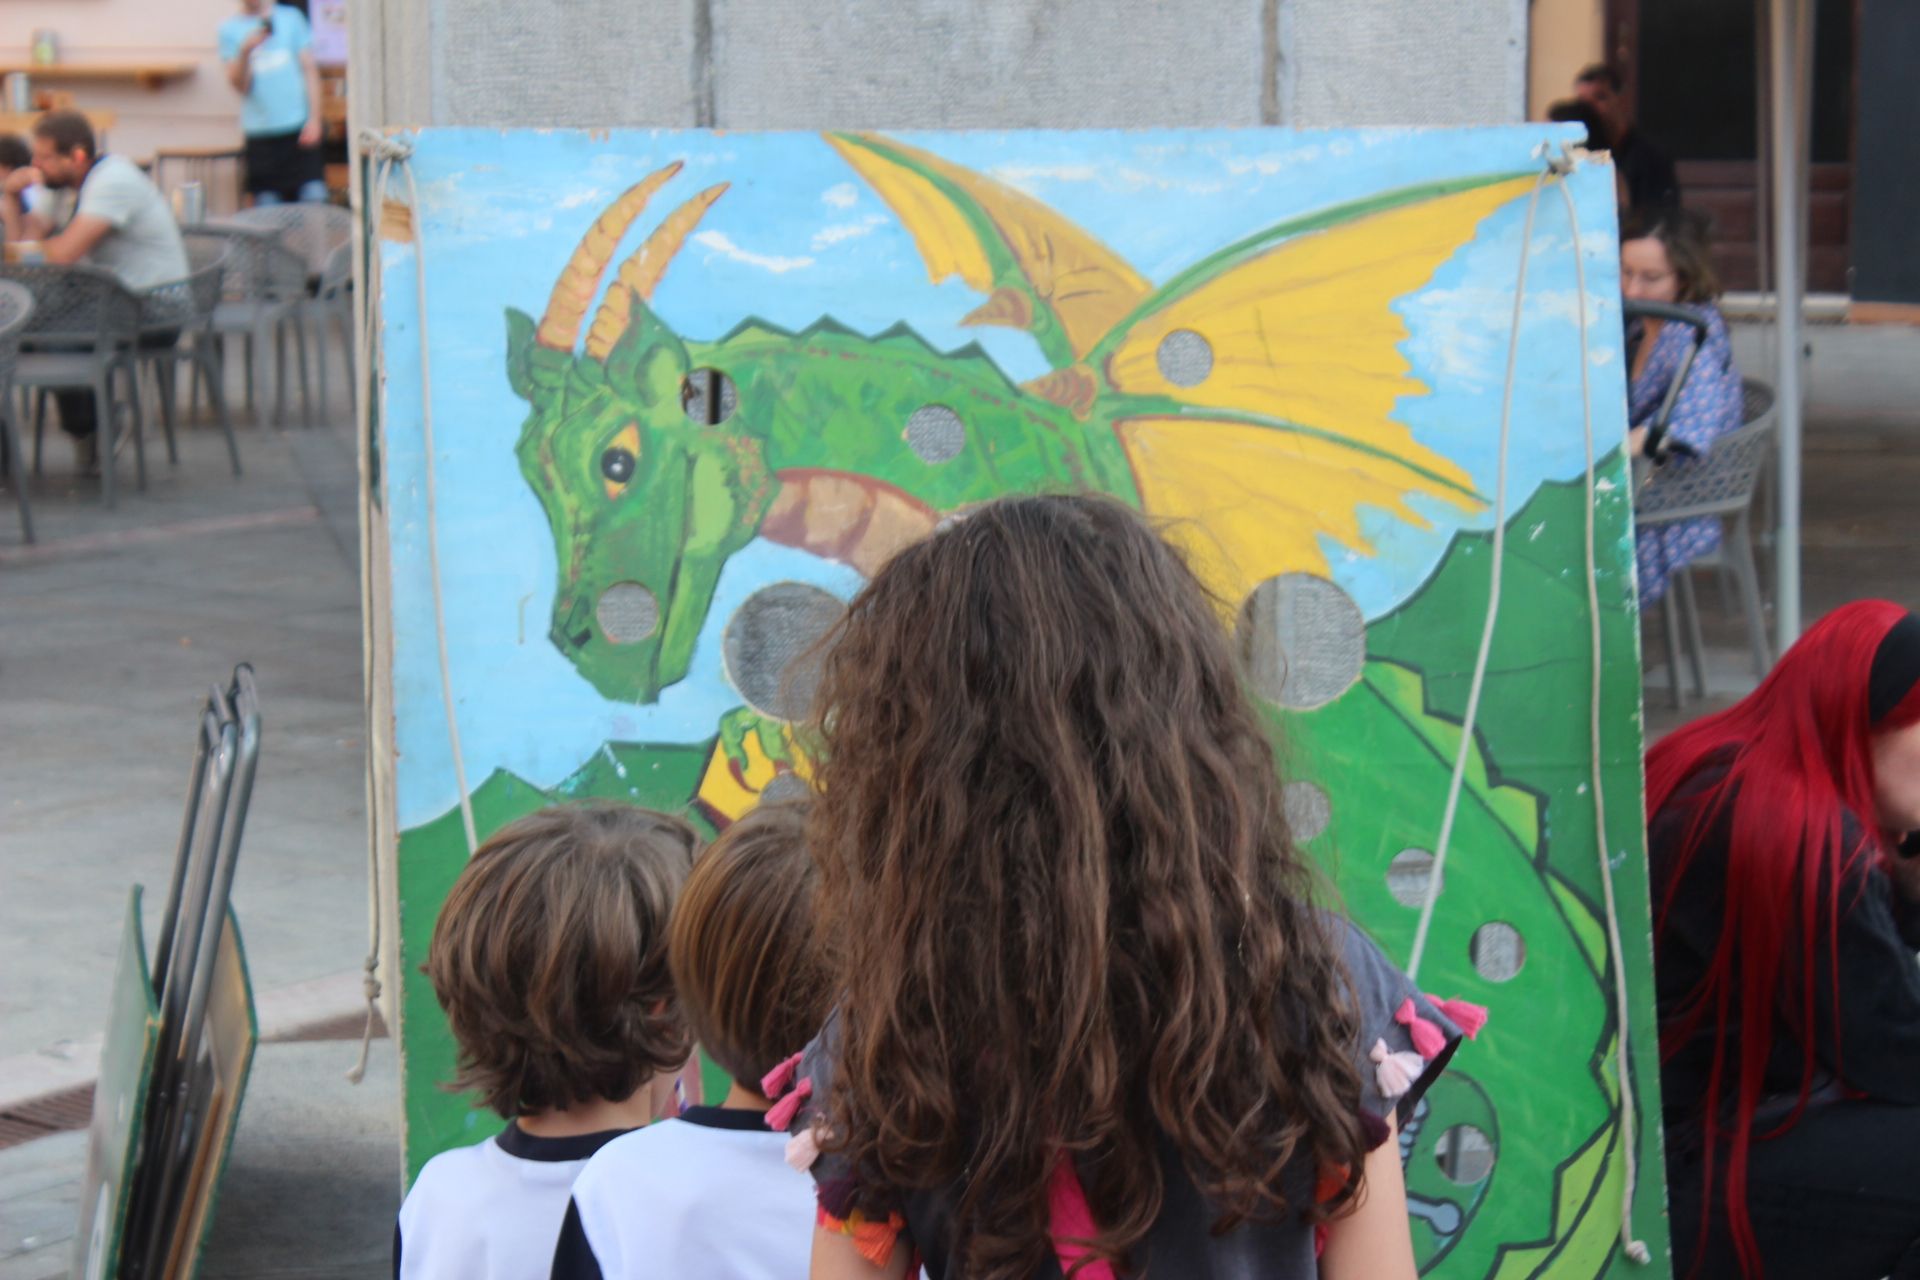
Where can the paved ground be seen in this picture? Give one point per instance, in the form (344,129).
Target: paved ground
(110,629)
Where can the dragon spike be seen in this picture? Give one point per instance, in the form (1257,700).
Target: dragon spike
(581,276)
(640,274)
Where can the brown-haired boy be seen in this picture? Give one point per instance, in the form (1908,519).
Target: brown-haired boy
(711,1194)
(550,959)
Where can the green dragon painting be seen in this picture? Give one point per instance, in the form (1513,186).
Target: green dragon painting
(1249,401)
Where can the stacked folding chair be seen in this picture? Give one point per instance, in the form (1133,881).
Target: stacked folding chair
(181,1032)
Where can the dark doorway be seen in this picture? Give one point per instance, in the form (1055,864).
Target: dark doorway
(1691,74)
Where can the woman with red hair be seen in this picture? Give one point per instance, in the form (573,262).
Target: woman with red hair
(1786,925)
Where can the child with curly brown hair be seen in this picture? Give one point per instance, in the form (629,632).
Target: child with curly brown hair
(550,959)
(1088,1018)
(710,1194)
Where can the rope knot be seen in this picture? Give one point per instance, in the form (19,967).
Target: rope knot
(385,147)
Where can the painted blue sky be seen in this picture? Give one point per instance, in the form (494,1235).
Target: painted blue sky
(798,236)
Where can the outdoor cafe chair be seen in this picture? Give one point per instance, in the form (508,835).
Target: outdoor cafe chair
(16,306)
(264,285)
(322,234)
(1720,484)
(80,337)
(176,324)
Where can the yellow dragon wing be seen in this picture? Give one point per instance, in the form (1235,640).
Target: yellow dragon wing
(1039,271)
(1254,392)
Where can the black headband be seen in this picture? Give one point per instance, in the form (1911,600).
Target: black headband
(1896,668)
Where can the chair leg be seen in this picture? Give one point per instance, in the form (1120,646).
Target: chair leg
(298,324)
(138,422)
(262,346)
(39,428)
(1671,628)
(320,336)
(343,319)
(103,434)
(1739,553)
(17,463)
(163,376)
(253,374)
(280,372)
(1682,590)
(208,364)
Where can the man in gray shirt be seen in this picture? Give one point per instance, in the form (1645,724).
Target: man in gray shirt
(121,222)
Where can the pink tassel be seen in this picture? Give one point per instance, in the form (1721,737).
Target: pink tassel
(781,1115)
(1394,1073)
(1428,1039)
(775,1082)
(803,1149)
(1468,1017)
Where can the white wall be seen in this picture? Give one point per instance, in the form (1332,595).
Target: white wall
(199,111)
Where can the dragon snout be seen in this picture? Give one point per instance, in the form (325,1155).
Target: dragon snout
(570,629)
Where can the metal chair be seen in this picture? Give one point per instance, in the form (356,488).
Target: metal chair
(264,285)
(81,334)
(176,324)
(1720,485)
(319,233)
(16,306)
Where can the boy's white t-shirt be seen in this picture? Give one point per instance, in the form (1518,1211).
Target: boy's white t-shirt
(491,1211)
(709,1194)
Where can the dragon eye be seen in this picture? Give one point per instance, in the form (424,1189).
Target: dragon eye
(616,464)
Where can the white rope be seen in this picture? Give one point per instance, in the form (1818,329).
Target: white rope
(1435,874)
(388,154)
(1634,1249)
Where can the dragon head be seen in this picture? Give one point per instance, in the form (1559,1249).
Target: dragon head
(645,503)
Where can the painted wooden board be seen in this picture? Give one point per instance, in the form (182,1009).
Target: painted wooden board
(690,388)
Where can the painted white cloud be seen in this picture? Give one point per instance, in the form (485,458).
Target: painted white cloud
(827,237)
(722,244)
(843,196)
(1019,175)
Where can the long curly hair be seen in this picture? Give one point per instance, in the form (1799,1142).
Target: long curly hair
(1799,775)
(1068,913)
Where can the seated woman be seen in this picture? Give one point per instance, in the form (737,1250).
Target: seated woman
(1663,258)
(1787,915)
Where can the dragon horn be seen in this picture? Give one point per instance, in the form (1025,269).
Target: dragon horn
(581,276)
(640,273)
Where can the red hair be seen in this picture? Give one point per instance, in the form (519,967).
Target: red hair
(1799,764)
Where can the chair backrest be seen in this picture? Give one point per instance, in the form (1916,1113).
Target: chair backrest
(1720,483)
(258,267)
(1756,400)
(16,307)
(338,274)
(189,301)
(78,304)
(313,231)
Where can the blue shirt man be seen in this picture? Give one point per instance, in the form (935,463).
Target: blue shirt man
(268,52)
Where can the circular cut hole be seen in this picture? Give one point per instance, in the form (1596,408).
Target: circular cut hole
(1308,810)
(1498,951)
(1465,1154)
(708,396)
(935,433)
(785,785)
(1185,358)
(1408,876)
(1303,640)
(768,643)
(627,613)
